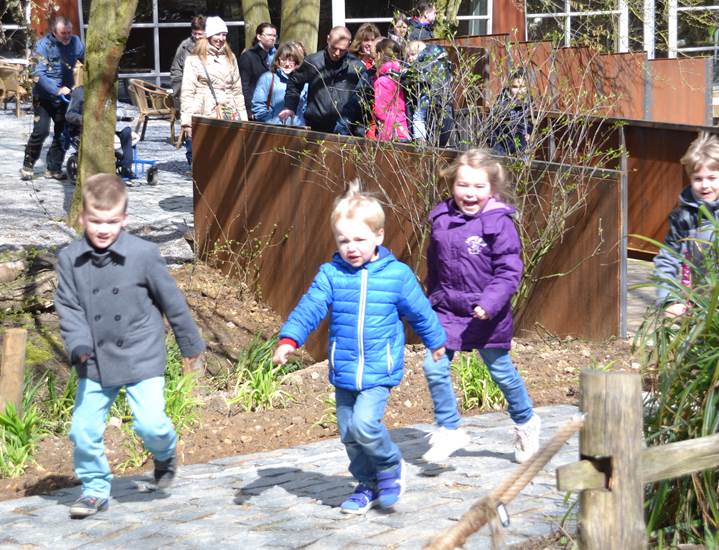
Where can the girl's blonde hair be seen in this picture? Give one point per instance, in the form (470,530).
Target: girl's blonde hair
(356,204)
(482,159)
(203,44)
(703,151)
(413,47)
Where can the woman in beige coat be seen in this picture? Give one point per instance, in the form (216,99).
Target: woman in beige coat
(213,59)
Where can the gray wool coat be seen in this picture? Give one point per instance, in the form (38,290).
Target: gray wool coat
(111,305)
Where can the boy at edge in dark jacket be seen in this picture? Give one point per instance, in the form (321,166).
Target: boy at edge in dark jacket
(113,289)
(369,292)
(474,266)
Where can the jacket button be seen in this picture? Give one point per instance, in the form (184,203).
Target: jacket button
(95,290)
(119,343)
(100,343)
(115,290)
(98,317)
(118,317)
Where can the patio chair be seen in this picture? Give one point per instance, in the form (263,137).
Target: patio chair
(152,102)
(11,86)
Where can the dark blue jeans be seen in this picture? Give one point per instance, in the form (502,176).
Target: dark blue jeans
(46,111)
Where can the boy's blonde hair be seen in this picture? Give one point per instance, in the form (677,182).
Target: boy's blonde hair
(482,159)
(413,47)
(703,151)
(104,192)
(356,204)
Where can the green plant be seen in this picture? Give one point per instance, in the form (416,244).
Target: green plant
(475,383)
(329,413)
(681,357)
(19,435)
(56,410)
(180,401)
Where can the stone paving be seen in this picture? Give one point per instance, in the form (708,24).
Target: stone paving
(288,499)
(282,499)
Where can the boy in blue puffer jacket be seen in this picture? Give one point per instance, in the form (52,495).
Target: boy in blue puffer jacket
(369,291)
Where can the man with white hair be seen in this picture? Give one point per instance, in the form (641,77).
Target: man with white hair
(55,55)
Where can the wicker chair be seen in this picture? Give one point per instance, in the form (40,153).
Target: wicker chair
(11,86)
(152,102)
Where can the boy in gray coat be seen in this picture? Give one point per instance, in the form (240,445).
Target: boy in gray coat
(113,289)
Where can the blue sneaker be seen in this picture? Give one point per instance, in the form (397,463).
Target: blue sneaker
(360,501)
(391,484)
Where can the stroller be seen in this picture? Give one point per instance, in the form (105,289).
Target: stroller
(125,144)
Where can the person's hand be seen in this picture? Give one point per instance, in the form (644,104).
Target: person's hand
(64,90)
(675,310)
(285,114)
(281,353)
(188,131)
(193,364)
(85,357)
(479,313)
(438,354)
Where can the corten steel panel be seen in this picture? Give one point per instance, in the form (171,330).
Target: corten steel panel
(245,184)
(620,79)
(43,10)
(509,18)
(679,90)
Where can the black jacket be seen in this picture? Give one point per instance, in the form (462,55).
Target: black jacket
(253,63)
(331,85)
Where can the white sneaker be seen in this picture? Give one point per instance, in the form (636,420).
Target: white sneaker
(443,442)
(526,439)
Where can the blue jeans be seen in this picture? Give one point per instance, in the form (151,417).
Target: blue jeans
(92,403)
(507,377)
(440,388)
(367,441)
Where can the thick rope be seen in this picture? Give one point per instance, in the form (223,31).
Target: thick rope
(485,509)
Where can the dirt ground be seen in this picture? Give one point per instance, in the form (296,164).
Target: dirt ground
(229,320)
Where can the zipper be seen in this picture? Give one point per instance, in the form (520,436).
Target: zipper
(332,355)
(360,328)
(390,365)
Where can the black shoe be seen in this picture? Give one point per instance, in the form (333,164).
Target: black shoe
(128,174)
(165,471)
(56,175)
(26,173)
(88,506)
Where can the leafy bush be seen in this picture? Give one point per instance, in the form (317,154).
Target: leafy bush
(477,388)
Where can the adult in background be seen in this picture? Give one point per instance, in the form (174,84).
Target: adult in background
(421,25)
(256,61)
(398,29)
(184,50)
(55,56)
(363,43)
(211,84)
(269,97)
(332,75)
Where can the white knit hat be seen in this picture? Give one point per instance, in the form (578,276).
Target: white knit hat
(214,25)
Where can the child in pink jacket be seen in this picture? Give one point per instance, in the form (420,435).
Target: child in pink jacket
(389,102)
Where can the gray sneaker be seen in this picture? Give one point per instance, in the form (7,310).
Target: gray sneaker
(56,175)
(26,173)
(165,471)
(88,506)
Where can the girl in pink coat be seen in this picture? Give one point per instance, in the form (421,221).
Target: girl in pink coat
(389,102)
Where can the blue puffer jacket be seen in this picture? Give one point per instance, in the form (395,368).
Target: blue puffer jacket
(54,64)
(366,347)
(263,113)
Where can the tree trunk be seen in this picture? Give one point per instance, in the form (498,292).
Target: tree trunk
(446,17)
(301,22)
(254,12)
(107,32)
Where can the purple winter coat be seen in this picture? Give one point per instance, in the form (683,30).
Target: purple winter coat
(474,260)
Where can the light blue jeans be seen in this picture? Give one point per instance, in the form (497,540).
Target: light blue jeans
(439,381)
(367,441)
(92,404)
(502,371)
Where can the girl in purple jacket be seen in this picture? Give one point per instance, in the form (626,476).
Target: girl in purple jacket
(473,269)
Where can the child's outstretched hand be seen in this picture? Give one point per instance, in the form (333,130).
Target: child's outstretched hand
(281,353)
(438,354)
(675,310)
(479,313)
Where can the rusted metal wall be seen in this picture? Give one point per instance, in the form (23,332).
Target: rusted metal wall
(43,10)
(276,186)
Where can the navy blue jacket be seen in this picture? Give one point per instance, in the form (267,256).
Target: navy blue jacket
(366,345)
(54,64)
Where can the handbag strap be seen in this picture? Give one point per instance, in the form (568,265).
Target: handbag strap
(209,83)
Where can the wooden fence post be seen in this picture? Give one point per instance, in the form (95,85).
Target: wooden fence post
(612,439)
(12,368)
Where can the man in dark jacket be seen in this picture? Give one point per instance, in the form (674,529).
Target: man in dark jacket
(197,27)
(256,61)
(55,56)
(332,75)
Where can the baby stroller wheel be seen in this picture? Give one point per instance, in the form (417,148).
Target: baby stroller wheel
(152,176)
(72,168)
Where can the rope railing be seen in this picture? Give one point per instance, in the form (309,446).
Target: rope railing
(491,509)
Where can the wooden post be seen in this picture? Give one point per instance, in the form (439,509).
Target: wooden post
(12,367)
(612,439)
